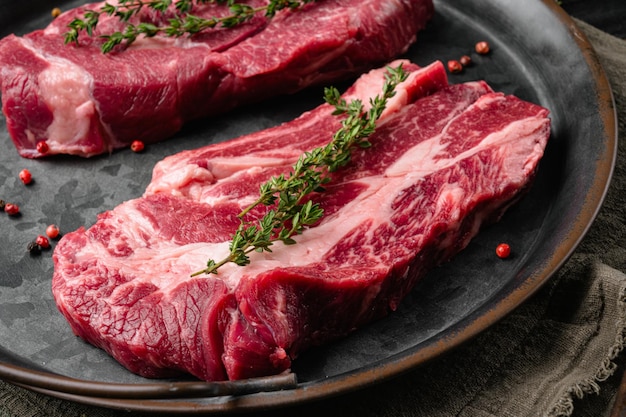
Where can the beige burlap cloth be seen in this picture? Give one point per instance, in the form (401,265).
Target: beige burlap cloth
(559,354)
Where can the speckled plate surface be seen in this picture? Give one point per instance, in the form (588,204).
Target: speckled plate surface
(537,54)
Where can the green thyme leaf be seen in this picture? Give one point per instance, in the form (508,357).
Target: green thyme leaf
(292,212)
(184,23)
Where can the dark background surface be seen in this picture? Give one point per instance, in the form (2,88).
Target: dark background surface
(608,15)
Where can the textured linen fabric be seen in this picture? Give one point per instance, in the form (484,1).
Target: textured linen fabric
(558,354)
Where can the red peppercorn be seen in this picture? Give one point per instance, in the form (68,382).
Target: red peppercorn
(26,176)
(52,231)
(137,146)
(465,60)
(454,66)
(42,241)
(482,48)
(42,147)
(11,209)
(503,250)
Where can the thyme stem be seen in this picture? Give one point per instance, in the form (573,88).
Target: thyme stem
(291,214)
(183,23)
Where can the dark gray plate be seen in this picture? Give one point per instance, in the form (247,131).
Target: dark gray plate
(537,54)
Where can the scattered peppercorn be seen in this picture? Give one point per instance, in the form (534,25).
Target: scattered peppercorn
(42,147)
(33,248)
(454,66)
(2,204)
(465,60)
(25,176)
(11,209)
(52,231)
(56,12)
(43,242)
(137,146)
(482,48)
(503,250)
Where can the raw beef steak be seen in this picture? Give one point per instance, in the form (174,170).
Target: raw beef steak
(445,160)
(83,102)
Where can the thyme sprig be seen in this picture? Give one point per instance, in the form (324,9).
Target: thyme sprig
(182,23)
(293,213)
